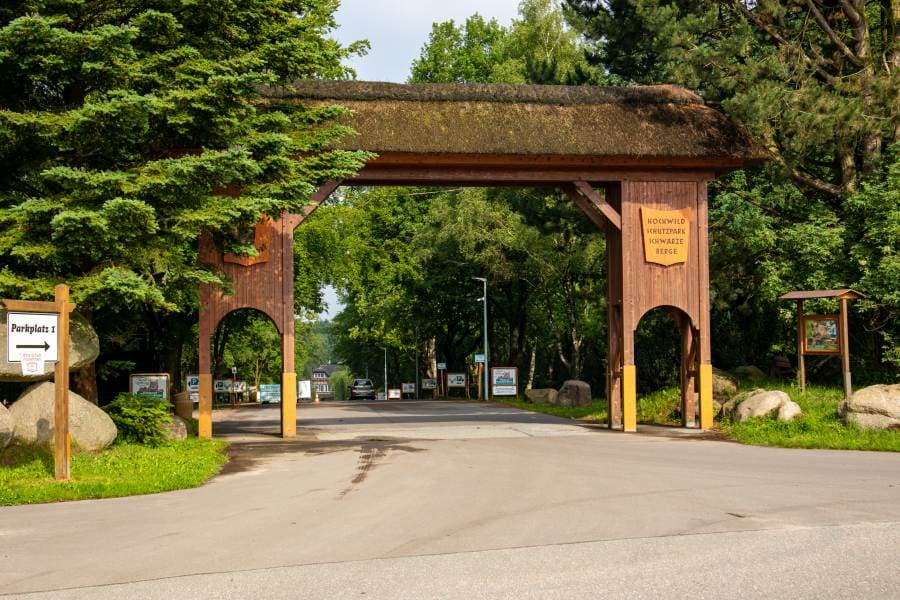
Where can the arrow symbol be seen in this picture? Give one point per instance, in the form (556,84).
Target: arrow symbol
(45,346)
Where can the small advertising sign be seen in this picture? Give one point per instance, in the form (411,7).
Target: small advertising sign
(457,380)
(304,389)
(380,396)
(429,384)
(192,383)
(222,386)
(269,392)
(394,394)
(409,388)
(154,385)
(479,358)
(442,366)
(504,381)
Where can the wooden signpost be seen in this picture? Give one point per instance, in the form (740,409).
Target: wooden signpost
(32,337)
(823,335)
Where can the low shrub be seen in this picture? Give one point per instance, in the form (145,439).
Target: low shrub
(340,382)
(140,419)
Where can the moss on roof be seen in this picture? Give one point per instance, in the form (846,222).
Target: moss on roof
(629,122)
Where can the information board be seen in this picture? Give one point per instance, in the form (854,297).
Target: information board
(269,392)
(153,385)
(457,380)
(504,381)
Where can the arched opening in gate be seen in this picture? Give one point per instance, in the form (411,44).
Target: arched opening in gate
(666,356)
(652,150)
(246,359)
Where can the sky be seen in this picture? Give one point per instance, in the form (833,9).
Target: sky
(397,30)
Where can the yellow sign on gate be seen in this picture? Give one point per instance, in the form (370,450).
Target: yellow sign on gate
(666,235)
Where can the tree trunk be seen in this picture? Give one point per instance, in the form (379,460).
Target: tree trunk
(529,382)
(84,382)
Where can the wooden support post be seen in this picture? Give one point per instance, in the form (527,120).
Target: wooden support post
(703,321)
(61,442)
(629,398)
(688,370)
(801,361)
(845,350)
(706,396)
(204,426)
(288,405)
(614,306)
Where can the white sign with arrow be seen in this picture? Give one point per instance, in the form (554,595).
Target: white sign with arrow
(31,332)
(32,339)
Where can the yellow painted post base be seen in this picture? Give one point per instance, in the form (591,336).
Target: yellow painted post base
(288,405)
(629,398)
(706,396)
(204,427)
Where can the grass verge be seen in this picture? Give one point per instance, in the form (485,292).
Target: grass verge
(659,407)
(595,413)
(26,473)
(818,427)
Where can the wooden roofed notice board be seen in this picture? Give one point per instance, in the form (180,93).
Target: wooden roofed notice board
(823,335)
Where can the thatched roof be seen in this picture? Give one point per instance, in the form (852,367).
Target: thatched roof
(652,122)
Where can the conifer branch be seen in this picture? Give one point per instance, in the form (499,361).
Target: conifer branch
(824,26)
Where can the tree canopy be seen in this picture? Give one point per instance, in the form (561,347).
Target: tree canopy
(121,124)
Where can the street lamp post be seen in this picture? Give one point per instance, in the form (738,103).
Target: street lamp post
(385,374)
(417,362)
(487,390)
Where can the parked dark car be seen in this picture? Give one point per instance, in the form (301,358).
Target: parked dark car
(362,389)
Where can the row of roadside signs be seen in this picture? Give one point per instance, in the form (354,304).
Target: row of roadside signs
(504,380)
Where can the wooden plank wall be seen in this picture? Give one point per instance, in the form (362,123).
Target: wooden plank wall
(636,287)
(264,286)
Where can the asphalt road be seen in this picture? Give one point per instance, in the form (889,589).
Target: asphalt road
(461,500)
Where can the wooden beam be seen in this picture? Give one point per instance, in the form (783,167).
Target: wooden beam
(34,306)
(512,176)
(585,206)
(315,201)
(598,201)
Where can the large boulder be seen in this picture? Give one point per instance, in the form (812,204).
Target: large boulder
(7,426)
(574,393)
(749,373)
(725,385)
(176,429)
(873,407)
(84,348)
(762,403)
(542,396)
(90,428)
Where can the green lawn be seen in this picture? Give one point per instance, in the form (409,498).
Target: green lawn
(595,413)
(659,407)
(26,473)
(819,427)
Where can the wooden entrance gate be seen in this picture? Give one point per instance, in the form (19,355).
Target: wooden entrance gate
(637,161)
